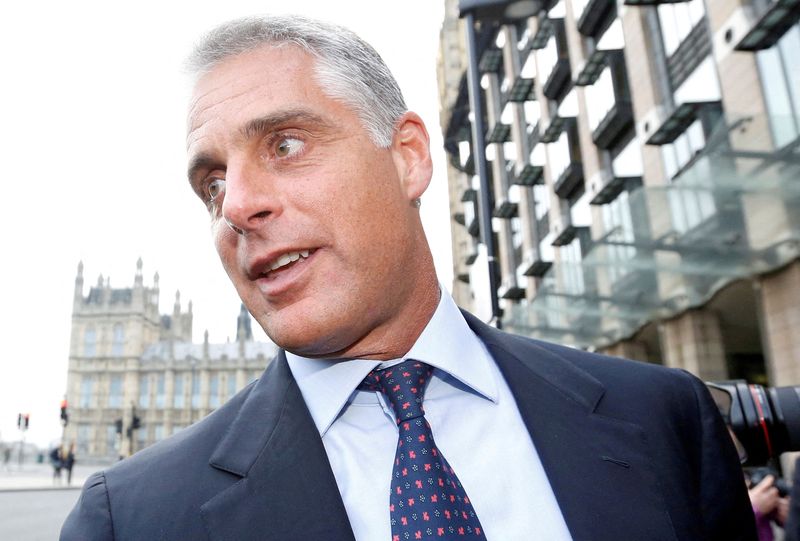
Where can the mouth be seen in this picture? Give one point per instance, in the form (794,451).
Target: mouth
(280,263)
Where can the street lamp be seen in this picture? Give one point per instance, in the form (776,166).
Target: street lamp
(487,11)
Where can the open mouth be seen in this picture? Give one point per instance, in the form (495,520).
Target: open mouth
(286,261)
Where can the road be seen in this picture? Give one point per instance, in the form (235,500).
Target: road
(34,515)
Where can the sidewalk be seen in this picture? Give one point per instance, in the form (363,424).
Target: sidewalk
(32,476)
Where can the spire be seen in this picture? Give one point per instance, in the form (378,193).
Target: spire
(79,282)
(100,280)
(243,330)
(137,281)
(189,307)
(155,280)
(177,307)
(205,344)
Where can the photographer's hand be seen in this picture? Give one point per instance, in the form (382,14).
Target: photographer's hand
(764,496)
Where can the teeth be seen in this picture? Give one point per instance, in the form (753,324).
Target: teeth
(285,259)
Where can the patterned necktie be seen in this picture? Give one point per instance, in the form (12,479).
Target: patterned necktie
(427,500)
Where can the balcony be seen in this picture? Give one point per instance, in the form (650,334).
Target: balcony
(499,133)
(556,126)
(531,175)
(595,12)
(771,26)
(511,291)
(569,180)
(522,90)
(595,64)
(474,227)
(491,61)
(614,187)
(505,209)
(616,122)
(543,34)
(534,265)
(681,118)
(557,79)
(568,234)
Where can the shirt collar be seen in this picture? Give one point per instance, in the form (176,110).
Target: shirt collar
(446,343)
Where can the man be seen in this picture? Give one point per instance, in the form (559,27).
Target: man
(312,169)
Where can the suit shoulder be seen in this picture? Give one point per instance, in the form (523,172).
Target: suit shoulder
(90,519)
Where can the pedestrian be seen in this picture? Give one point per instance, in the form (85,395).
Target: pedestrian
(6,457)
(69,462)
(311,168)
(57,463)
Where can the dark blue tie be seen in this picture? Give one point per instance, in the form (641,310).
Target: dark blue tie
(427,499)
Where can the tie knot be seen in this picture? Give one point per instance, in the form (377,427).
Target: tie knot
(403,385)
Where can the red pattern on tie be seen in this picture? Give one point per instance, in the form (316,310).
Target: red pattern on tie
(426,500)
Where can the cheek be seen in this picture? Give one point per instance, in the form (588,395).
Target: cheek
(225,243)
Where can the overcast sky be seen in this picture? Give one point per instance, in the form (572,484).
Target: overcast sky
(92,125)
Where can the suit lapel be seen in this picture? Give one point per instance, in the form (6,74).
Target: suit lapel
(287,491)
(598,467)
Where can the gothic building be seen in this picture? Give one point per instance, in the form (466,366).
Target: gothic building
(135,377)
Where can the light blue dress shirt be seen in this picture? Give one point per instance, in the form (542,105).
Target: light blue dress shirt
(475,422)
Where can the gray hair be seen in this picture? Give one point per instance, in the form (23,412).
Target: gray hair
(347,68)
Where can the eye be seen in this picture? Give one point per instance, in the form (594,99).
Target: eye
(215,189)
(288,147)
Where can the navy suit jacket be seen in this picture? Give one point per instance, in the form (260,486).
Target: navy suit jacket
(633,452)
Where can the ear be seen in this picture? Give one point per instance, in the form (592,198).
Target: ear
(412,155)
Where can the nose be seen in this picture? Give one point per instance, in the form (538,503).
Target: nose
(249,200)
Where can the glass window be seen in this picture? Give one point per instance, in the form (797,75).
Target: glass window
(195,390)
(158,431)
(628,163)
(144,390)
(160,390)
(701,85)
(87,386)
(690,208)
(546,59)
(572,272)
(90,342)
(84,438)
(141,436)
(558,152)
(577,8)
(177,396)
(677,20)
(617,220)
(115,391)
(231,384)
(780,76)
(677,154)
(111,439)
(600,98)
(118,343)
(213,391)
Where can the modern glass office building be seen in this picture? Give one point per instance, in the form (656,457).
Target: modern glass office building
(644,170)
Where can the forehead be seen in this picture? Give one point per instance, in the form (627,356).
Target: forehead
(260,81)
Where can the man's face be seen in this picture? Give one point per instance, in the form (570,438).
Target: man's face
(313,223)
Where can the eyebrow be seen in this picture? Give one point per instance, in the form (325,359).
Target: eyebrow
(268,123)
(197,163)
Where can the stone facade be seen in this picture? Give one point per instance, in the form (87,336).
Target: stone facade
(127,360)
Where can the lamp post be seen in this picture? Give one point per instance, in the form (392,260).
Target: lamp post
(487,11)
